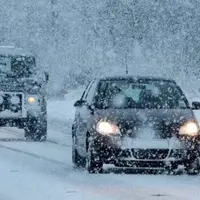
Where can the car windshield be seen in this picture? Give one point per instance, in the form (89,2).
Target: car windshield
(17,66)
(145,94)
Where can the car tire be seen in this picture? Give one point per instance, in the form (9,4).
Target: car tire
(36,129)
(192,167)
(93,162)
(77,160)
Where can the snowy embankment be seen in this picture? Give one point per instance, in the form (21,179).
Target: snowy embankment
(61,112)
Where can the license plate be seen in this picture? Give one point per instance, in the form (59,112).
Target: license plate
(145,143)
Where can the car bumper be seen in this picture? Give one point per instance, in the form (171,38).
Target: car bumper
(111,151)
(21,122)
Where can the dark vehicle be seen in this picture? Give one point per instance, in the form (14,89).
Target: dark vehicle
(22,93)
(138,122)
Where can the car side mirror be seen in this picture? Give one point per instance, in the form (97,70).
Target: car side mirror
(91,108)
(79,103)
(195,105)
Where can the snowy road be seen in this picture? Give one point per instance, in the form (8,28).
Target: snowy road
(31,170)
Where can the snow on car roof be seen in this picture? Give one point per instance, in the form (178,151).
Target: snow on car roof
(14,51)
(129,77)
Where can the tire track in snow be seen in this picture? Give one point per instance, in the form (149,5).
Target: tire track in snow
(32,155)
(50,147)
(16,133)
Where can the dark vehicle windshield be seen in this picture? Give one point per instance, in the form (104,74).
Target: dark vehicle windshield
(17,66)
(144,94)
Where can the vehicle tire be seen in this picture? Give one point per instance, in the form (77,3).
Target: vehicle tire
(77,160)
(36,129)
(93,162)
(192,167)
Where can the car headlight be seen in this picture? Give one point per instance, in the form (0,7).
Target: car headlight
(106,128)
(31,100)
(190,129)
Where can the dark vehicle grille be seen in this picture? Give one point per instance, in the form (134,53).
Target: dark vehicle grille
(139,164)
(150,153)
(11,102)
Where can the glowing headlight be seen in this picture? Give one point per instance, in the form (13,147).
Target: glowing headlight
(31,100)
(106,128)
(190,128)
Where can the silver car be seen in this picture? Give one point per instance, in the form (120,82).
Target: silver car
(135,122)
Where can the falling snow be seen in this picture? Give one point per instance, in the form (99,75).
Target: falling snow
(50,50)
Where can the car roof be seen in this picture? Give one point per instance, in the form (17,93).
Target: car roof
(128,77)
(14,51)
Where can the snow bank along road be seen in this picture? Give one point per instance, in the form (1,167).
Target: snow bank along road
(40,171)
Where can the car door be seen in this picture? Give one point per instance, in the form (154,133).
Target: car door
(78,108)
(81,115)
(85,118)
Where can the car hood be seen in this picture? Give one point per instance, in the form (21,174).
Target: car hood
(136,122)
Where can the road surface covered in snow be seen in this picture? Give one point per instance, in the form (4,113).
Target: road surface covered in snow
(32,170)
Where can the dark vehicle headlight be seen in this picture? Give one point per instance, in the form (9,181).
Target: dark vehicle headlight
(107,128)
(189,129)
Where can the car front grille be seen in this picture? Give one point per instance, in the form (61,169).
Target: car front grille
(139,164)
(150,154)
(11,104)
(161,129)
(178,153)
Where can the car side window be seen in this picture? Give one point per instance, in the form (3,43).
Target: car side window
(91,92)
(84,95)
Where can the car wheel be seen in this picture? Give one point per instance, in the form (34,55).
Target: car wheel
(193,167)
(78,161)
(93,162)
(36,130)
